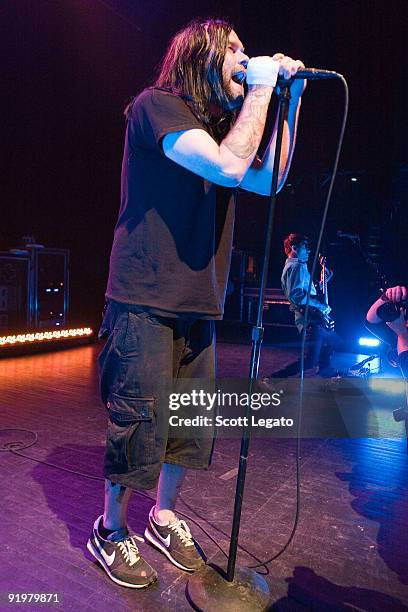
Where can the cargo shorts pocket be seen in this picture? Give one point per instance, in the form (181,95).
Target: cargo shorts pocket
(131,431)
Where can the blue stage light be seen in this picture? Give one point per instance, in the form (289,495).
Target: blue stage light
(368,341)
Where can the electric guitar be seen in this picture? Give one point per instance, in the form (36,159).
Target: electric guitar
(315,314)
(325,319)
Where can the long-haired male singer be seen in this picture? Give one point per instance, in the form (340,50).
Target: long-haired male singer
(191,140)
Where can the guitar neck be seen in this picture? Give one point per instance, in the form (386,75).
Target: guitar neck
(324,286)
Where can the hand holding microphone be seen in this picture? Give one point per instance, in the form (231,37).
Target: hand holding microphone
(288,70)
(288,66)
(262,70)
(265,70)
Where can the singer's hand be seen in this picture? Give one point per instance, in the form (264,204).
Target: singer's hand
(262,70)
(288,68)
(396,294)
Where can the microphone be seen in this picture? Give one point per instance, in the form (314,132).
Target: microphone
(341,234)
(314,74)
(311,74)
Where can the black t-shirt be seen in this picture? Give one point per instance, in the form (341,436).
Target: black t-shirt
(172,245)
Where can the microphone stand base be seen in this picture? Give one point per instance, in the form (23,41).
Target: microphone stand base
(209,590)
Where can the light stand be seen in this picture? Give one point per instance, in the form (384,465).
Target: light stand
(242,589)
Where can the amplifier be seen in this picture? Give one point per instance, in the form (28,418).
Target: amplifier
(33,289)
(14,292)
(243,272)
(50,269)
(276,307)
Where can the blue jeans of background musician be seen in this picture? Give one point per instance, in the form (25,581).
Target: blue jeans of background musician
(320,344)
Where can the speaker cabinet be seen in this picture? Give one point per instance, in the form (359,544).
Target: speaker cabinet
(14,292)
(34,289)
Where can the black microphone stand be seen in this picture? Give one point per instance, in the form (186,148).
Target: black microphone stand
(242,589)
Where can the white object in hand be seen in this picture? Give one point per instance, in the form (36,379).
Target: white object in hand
(262,70)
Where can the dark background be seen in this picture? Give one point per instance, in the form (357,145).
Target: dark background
(69,66)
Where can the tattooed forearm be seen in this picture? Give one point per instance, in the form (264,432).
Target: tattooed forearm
(244,138)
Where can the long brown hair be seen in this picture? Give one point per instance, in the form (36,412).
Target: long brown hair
(192,69)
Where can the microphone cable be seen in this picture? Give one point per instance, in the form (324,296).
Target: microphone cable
(303,343)
(14,447)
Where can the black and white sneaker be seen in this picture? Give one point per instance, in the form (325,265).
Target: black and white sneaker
(175,541)
(120,557)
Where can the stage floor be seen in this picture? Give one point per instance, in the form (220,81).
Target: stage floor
(349,552)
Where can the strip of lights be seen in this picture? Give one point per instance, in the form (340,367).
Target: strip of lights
(44,336)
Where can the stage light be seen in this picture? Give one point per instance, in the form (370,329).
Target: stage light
(369,341)
(44,336)
(353,179)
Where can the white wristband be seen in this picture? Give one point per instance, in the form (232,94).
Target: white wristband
(262,71)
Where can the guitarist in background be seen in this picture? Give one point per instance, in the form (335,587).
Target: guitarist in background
(320,337)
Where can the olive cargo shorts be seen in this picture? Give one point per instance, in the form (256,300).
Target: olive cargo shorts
(142,355)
